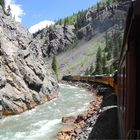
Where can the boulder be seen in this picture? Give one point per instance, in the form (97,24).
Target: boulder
(78,131)
(69,119)
(80,118)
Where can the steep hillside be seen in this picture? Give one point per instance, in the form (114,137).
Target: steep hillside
(25,80)
(76,60)
(92,29)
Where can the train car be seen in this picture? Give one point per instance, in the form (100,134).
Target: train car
(103,79)
(76,78)
(129,76)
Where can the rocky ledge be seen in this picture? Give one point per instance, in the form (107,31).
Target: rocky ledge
(99,121)
(25,79)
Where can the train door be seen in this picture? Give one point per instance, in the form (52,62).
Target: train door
(137,109)
(133,86)
(122,96)
(137,49)
(131,89)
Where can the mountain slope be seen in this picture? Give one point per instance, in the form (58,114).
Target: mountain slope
(76,60)
(88,34)
(25,80)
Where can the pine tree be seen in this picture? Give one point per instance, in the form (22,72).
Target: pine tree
(116,45)
(104,64)
(91,69)
(109,54)
(87,72)
(115,51)
(98,7)
(106,41)
(2,3)
(59,22)
(112,69)
(98,69)
(54,66)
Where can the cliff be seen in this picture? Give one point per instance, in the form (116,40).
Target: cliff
(25,79)
(55,40)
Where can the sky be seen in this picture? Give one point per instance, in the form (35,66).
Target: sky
(35,13)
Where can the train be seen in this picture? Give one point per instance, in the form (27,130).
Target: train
(128,76)
(125,82)
(102,79)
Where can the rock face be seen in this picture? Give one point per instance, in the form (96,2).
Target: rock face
(25,80)
(55,40)
(99,21)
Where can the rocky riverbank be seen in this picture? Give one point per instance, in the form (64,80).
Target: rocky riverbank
(87,124)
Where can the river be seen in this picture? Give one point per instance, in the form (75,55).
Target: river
(44,121)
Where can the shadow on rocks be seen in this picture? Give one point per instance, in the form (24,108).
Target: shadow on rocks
(106,126)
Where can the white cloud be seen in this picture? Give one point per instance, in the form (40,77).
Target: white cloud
(16,10)
(40,26)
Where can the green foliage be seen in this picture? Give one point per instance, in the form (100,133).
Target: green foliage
(113,47)
(116,51)
(109,54)
(113,43)
(2,3)
(54,66)
(98,6)
(77,19)
(70,20)
(109,1)
(91,69)
(109,44)
(80,19)
(104,62)
(117,45)
(87,72)
(98,69)
(112,70)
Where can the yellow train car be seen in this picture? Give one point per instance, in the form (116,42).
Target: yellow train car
(75,78)
(108,80)
(102,79)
